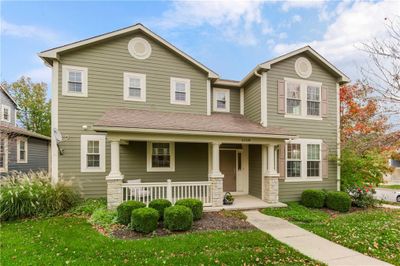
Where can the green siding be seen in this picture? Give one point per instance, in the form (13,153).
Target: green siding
(313,129)
(252,100)
(234,100)
(106,63)
(255,185)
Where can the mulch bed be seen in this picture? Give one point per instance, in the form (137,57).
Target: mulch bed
(210,221)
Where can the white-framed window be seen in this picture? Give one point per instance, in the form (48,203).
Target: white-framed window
(22,150)
(5,113)
(74,81)
(180,91)
(93,153)
(160,156)
(221,99)
(303,160)
(3,154)
(134,87)
(303,98)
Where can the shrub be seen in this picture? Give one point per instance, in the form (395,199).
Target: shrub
(124,210)
(313,198)
(160,205)
(338,201)
(195,205)
(145,220)
(32,194)
(362,196)
(103,217)
(178,218)
(88,206)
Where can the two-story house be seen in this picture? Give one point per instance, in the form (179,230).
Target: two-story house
(20,149)
(136,118)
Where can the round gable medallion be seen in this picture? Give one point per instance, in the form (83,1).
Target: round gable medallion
(303,67)
(139,48)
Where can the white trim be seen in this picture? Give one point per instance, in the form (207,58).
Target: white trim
(303,158)
(149,154)
(54,122)
(65,71)
(263,99)
(227,100)
(15,117)
(208,97)
(242,101)
(173,82)
(303,60)
(3,108)
(19,159)
(142,80)
(338,135)
(102,152)
(303,98)
(53,53)
(5,159)
(131,48)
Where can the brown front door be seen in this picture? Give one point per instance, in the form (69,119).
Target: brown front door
(227,165)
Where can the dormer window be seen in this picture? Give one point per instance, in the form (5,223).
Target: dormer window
(221,100)
(134,87)
(5,113)
(74,81)
(180,91)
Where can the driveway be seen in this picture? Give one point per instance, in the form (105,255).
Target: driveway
(387,194)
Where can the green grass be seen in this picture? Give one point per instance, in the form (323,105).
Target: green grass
(374,232)
(71,240)
(390,186)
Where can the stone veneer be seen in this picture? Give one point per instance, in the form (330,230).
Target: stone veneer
(114,193)
(271,189)
(217,194)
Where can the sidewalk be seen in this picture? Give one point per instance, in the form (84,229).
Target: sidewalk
(308,243)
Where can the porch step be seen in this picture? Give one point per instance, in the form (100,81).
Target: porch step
(246,202)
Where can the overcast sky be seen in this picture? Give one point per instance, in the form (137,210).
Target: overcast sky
(227,36)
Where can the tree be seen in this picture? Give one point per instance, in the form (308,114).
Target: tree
(34,113)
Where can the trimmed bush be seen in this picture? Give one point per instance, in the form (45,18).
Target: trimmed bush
(124,210)
(338,201)
(144,220)
(313,198)
(178,218)
(160,205)
(195,205)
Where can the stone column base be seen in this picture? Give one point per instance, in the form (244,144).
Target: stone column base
(271,189)
(217,193)
(114,192)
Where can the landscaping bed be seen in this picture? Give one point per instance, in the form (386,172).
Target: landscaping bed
(223,220)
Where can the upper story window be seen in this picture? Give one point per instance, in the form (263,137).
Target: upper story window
(160,156)
(303,98)
(180,91)
(221,100)
(22,150)
(5,113)
(134,87)
(93,153)
(74,81)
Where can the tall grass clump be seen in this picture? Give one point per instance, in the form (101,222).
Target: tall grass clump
(32,194)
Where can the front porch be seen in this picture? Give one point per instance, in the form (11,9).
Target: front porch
(246,202)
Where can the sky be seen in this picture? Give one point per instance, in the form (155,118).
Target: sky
(230,37)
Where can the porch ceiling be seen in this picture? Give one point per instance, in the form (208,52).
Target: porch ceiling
(133,120)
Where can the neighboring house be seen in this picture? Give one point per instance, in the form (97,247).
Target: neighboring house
(132,109)
(20,149)
(394,176)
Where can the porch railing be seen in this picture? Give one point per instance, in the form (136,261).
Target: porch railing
(173,191)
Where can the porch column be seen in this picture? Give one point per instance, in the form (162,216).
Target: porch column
(216,177)
(114,178)
(271,156)
(270,176)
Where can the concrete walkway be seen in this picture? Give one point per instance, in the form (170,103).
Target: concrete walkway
(308,243)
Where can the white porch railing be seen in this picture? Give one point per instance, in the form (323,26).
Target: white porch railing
(173,191)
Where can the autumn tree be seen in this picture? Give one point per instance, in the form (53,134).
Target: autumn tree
(34,113)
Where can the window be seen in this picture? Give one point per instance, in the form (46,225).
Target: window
(22,150)
(180,91)
(221,100)
(160,156)
(93,153)
(134,87)
(3,155)
(5,113)
(74,81)
(303,98)
(303,160)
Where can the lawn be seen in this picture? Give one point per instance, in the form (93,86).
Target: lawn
(374,232)
(71,240)
(390,186)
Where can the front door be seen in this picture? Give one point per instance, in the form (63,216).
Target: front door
(227,159)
